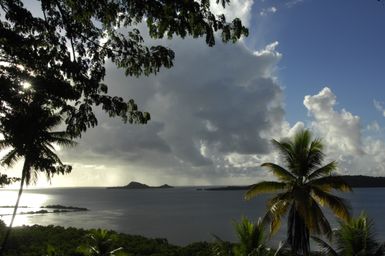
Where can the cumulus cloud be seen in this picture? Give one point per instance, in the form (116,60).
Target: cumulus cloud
(342,132)
(341,129)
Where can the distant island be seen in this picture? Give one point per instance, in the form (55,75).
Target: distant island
(57,208)
(355,181)
(138,185)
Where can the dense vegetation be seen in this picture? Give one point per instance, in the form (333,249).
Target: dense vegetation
(54,240)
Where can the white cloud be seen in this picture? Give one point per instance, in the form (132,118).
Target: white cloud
(373,127)
(237,9)
(341,130)
(379,106)
(342,134)
(267,11)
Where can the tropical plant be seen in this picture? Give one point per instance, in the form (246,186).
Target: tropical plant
(28,131)
(252,238)
(354,238)
(301,189)
(252,241)
(101,243)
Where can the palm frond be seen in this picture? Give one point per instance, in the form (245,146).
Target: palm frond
(286,149)
(251,235)
(338,205)
(4,144)
(331,182)
(275,224)
(286,196)
(221,247)
(62,141)
(301,144)
(356,237)
(50,154)
(274,215)
(31,176)
(326,249)
(280,172)
(323,171)
(316,220)
(264,187)
(380,250)
(315,155)
(10,158)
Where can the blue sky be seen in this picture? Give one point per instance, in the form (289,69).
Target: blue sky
(335,43)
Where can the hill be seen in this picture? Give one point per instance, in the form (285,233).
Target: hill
(361,181)
(138,185)
(355,181)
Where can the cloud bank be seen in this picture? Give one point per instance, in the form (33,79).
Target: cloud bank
(214,104)
(357,149)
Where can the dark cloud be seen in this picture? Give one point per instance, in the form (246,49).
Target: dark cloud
(214,102)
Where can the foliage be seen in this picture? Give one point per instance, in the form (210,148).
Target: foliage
(251,238)
(301,189)
(5,180)
(61,50)
(251,241)
(39,240)
(100,243)
(28,130)
(354,237)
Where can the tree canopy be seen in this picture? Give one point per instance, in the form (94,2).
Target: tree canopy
(62,49)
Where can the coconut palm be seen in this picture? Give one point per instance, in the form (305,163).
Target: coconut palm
(101,243)
(354,238)
(28,132)
(302,187)
(252,238)
(252,241)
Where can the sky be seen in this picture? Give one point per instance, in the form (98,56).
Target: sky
(306,64)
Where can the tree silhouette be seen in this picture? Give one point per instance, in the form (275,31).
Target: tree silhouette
(302,188)
(62,49)
(5,180)
(28,130)
(252,241)
(354,237)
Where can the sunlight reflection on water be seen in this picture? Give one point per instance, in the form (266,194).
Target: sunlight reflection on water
(28,202)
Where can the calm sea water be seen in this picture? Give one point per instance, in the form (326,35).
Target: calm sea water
(182,215)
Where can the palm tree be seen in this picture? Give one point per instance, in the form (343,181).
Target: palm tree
(101,243)
(354,238)
(252,241)
(301,189)
(28,132)
(252,238)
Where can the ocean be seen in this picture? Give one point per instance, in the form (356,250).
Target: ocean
(181,215)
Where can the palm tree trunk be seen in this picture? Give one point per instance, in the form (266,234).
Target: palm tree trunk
(298,234)
(23,175)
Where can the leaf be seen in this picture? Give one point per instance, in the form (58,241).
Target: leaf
(264,187)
